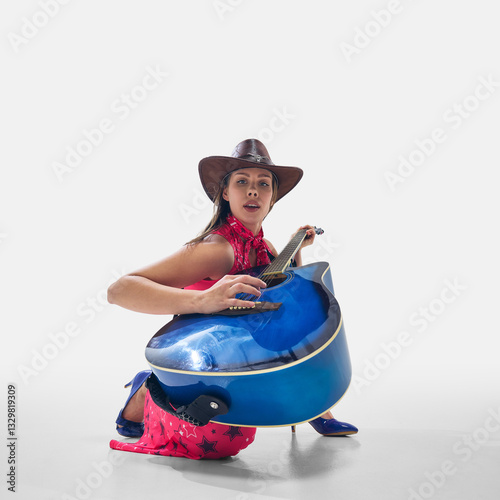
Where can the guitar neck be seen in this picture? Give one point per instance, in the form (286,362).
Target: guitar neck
(284,259)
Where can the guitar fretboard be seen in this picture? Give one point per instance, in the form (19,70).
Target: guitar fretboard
(280,263)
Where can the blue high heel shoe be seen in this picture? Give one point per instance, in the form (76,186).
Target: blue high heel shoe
(332,427)
(126,427)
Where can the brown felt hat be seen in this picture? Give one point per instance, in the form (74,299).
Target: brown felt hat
(250,153)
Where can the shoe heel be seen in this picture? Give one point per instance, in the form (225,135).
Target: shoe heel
(293,429)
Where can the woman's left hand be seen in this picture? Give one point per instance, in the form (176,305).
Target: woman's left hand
(310,236)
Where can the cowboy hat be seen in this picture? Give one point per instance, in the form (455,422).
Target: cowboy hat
(250,153)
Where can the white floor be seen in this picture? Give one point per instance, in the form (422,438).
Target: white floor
(415,442)
(61,461)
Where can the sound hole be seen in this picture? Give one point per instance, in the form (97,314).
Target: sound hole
(275,279)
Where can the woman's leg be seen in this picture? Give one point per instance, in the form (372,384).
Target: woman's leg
(134,411)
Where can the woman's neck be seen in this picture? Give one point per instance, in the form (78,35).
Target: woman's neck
(253,228)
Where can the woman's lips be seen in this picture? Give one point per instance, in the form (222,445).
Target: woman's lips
(251,207)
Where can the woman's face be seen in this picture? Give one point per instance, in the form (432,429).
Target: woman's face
(249,193)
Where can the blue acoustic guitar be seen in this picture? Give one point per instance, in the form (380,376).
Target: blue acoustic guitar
(283,362)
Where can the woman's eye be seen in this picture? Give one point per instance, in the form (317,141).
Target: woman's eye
(241,181)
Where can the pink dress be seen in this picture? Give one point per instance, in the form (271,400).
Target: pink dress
(165,434)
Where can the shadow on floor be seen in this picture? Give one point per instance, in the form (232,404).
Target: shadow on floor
(273,459)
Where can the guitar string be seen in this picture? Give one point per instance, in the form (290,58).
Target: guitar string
(267,270)
(268,279)
(299,238)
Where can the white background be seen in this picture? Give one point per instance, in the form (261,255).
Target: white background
(137,198)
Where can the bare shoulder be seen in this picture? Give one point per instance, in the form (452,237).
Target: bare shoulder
(214,248)
(216,239)
(211,258)
(271,247)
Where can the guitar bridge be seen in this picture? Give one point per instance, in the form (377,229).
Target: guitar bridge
(258,308)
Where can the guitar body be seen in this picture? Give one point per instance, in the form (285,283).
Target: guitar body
(272,368)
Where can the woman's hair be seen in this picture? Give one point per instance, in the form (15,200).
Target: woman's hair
(222,209)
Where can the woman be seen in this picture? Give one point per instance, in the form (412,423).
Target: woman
(200,278)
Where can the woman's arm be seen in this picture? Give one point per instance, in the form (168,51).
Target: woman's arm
(157,289)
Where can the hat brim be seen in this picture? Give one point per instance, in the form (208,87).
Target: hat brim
(213,169)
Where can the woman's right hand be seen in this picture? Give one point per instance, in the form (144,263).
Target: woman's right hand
(222,294)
